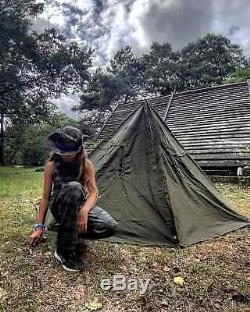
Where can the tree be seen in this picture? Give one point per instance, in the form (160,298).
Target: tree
(26,144)
(35,67)
(161,74)
(202,63)
(209,60)
(120,81)
(101,91)
(129,71)
(205,62)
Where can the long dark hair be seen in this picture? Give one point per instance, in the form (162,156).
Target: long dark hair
(79,160)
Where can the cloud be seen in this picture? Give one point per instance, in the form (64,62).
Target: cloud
(66,102)
(177,22)
(40,24)
(108,25)
(232,19)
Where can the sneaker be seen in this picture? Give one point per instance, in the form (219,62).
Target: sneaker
(79,261)
(70,263)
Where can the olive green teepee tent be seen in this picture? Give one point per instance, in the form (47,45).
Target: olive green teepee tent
(155,190)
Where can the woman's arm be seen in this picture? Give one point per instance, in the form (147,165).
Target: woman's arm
(91,198)
(34,237)
(46,191)
(92,191)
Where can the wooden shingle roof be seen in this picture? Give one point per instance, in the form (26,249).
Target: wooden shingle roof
(212,124)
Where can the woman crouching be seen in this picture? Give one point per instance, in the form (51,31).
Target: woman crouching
(70,192)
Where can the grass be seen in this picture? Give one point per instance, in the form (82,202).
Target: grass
(215,273)
(20,183)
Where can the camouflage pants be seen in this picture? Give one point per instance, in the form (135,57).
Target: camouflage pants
(65,209)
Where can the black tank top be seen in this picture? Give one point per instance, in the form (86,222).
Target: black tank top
(64,172)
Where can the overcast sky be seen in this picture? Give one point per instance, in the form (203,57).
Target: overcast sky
(108,25)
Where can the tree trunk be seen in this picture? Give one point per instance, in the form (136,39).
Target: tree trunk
(1,139)
(13,155)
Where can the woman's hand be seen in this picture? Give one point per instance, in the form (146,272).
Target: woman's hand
(83,220)
(34,237)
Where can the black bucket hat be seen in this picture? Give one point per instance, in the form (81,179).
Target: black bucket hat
(66,141)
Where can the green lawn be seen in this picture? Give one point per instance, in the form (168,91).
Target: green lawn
(216,275)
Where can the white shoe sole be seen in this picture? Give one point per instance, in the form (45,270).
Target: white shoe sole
(63,265)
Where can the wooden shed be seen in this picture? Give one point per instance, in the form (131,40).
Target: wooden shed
(212,124)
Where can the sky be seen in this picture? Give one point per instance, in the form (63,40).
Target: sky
(108,25)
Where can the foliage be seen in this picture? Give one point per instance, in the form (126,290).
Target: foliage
(202,63)
(162,66)
(129,69)
(102,90)
(209,60)
(26,144)
(35,67)
(239,75)
(119,82)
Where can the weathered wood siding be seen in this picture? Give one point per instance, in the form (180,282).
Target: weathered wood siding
(212,124)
